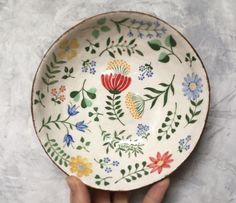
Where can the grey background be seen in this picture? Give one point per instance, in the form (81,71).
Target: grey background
(28,28)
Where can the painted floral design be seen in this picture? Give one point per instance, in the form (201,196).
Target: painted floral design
(184,144)
(107,164)
(116,82)
(80,166)
(40,96)
(160,162)
(68,48)
(89,66)
(192,86)
(140,28)
(146,70)
(68,140)
(142,130)
(58,97)
(136,103)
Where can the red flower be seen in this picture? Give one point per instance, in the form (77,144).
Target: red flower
(160,162)
(115,83)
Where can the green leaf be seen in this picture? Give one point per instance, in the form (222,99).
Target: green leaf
(163,125)
(97,177)
(93,51)
(112,118)
(179,117)
(144,163)
(153,90)
(87,144)
(173,130)
(192,121)
(105,28)
(155,44)
(129,52)
(96,44)
(132,41)
(176,124)
(136,165)
(36,101)
(167,136)
(86,103)
(96,119)
(165,98)
(169,41)
(129,167)
(111,54)
(106,183)
(199,102)
(82,139)
(64,77)
(153,102)
(74,94)
(128,180)
(187,118)
(108,108)
(191,111)
(197,113)
(109,103)
(90,114)
(109,97)
(193,103)
(98,182)
(167,119)
(163,57)
(66,70)
(91,95)
(139,52)
(159,137)
(95,33)
(108,41)
(120,39)
(122,171)
(110,113)
(101,21)
(57,125)
(92,90)
(79,147)
(169,113)
(119,51)
(122,114)
(87,48)
(160,130)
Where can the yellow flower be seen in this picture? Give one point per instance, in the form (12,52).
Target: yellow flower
(135,104)
(119,66)
(68,48)
(80,166)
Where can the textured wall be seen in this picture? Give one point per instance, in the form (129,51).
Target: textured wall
(27,28)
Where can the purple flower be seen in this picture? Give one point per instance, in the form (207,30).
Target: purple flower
(108,170)
(72,110)
(68,139)
(81,126)
(106,159)
(115,163)
(130,34)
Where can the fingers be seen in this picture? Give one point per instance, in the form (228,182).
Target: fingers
(100,196)
(78,191)
(121,197)
(157,192)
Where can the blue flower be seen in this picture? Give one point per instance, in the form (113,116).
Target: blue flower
(108,170)
(68,139)
(188,138)
(156,24)
(72,110)
(92,70)
(115,163)
(192,86)
(142,129)
(93,63)
(130,34)
(181,142)
(187,147)
(106,159)
(81,126)
(84,69)
(146,71)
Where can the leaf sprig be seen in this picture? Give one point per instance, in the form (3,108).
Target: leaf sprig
(83,144)
(120,47)
(169,42)
(165,92)
(40,96)
(194,112)
(132,173)
(170,124)
(100,27)
(56,152)
(87,95)
(100,180)
(52,69)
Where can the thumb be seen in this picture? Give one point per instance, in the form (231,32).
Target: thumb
(157,192)
(78,191)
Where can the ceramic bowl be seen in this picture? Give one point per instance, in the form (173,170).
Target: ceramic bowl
(120,100)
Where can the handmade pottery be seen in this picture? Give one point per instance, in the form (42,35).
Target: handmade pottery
(120,100)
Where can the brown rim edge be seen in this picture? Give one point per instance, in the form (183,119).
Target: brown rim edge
(123,11)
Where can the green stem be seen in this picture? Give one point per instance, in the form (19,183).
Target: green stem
(130,174)
(172,53)
(192,115)
(113,108)
(58,154)
(170,126)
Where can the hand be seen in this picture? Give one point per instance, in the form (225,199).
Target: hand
(81,194)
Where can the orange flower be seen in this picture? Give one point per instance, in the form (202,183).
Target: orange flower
(68,48)
(159,162)
(54,91)
(62,88)
(62,98)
